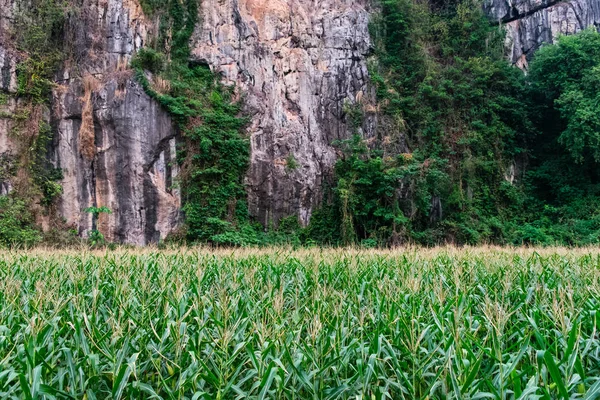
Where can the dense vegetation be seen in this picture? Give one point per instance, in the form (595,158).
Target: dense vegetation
(473,150)
(216,153)
(38,36)
(563,174)
(458,116)
(437,324)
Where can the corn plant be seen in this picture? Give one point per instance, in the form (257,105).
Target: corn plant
(308,324)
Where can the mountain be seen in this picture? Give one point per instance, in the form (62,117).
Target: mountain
(81,134)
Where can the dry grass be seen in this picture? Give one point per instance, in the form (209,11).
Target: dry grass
(160,85)
(324,253)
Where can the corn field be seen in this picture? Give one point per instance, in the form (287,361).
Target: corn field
(310,324)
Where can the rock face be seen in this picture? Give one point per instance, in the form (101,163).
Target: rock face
(128,167)
(531,23)
(8,76)
(298,63)
(131,172)
(114,144)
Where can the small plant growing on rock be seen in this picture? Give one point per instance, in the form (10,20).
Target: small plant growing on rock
(96,238)
(290,163)
(96,211)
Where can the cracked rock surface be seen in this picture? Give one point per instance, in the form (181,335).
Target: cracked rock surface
(132,172)
(297,63)
(531,23)
(132,169)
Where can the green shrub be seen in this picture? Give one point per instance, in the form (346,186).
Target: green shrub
(150,60)
(17,227)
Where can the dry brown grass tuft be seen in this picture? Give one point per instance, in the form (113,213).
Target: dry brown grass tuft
(161,85)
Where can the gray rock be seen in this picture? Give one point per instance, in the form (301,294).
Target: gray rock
(296,63)
(7,10)
(132,172)
(132,169)
(8,72)
(531,23)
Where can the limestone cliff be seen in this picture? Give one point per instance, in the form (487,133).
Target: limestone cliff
(297,63)
(114,145)
(531,23)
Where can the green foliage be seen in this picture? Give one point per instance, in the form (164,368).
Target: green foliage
(216,153)
(149,60)
(354,114)
(45,176)
(562,179)
(96,238)
(370,195)
(290,163)
(177,20)
(445,87)
(320,324)
(17,227)
(39,26)
(151,6)
(34,78)
(96,211)
(39,34)
(566,78)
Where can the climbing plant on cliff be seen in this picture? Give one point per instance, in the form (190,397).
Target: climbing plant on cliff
(372,188)
(216,152)
(36,35)
(444,86)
